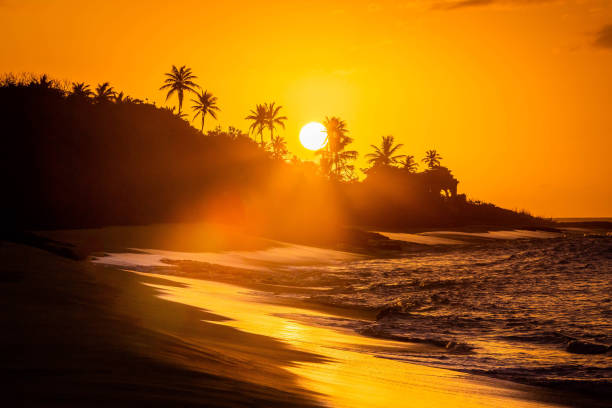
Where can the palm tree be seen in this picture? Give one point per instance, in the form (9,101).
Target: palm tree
(385,154)
(409,164)
(120,98)
(205,104)
(432,158)
(273,119)
(259,117)
(343,168)
(179,80)
(334,159)
(279,147)
(104,93)
(43,82)
(81,89)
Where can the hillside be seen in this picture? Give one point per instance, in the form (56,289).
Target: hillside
(69,161)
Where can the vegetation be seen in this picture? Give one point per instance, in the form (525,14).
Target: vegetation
(79,158)
(266,116)
(258,117)
(179,81)
(231,133)
(81,90)
(279,147)
(409,164)
(432,159)
(273,119)
(104,93)
(335,159)
(385,154)
(205,104)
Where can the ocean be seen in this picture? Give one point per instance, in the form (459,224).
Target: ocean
(525,310)
(527,306)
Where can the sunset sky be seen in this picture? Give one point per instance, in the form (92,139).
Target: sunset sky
(516,95)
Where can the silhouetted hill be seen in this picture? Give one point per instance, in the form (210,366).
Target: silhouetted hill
(69,161)
(394,198)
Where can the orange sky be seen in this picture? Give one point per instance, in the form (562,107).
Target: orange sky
(515,94)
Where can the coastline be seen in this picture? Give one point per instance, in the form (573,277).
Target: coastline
(78,334)
(205,338)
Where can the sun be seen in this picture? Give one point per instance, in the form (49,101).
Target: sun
(313,136)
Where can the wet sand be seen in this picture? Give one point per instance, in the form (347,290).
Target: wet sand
(85,334)
(354,371)
(79,334)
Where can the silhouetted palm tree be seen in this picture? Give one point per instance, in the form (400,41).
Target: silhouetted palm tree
(259,117)
(120,98)
(385,154)
(179,81)
(44,82)
(205,104)
(334,158)
(273,119)
(104,93)
(432,159)
(343,168)
(409,164)
(81,89)
(279,147)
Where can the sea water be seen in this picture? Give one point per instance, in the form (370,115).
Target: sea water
(528,307)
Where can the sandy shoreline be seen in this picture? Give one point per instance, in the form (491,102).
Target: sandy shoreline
(95,335)
(77,334)
(351,364)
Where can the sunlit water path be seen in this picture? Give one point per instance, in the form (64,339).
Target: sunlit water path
(358,371)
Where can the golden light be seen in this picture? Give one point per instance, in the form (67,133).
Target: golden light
(313,136)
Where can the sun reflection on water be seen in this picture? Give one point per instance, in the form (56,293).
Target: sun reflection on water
(354,375)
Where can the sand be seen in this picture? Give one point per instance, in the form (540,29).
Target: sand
(76,333)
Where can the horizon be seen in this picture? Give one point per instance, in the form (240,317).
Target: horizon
(536,74)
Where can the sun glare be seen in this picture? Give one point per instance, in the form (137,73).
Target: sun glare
(313,136)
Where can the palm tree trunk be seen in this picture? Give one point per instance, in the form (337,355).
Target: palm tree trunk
(202,124)
(337,169)
(180,98)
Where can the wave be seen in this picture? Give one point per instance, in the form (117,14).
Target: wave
(449,345)
(279,255)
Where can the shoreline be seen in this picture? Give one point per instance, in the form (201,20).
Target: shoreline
(360,359)
(80,334)
(278,369)
(120,337)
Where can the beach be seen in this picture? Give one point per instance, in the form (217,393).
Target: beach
(306,204)
(100,332)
